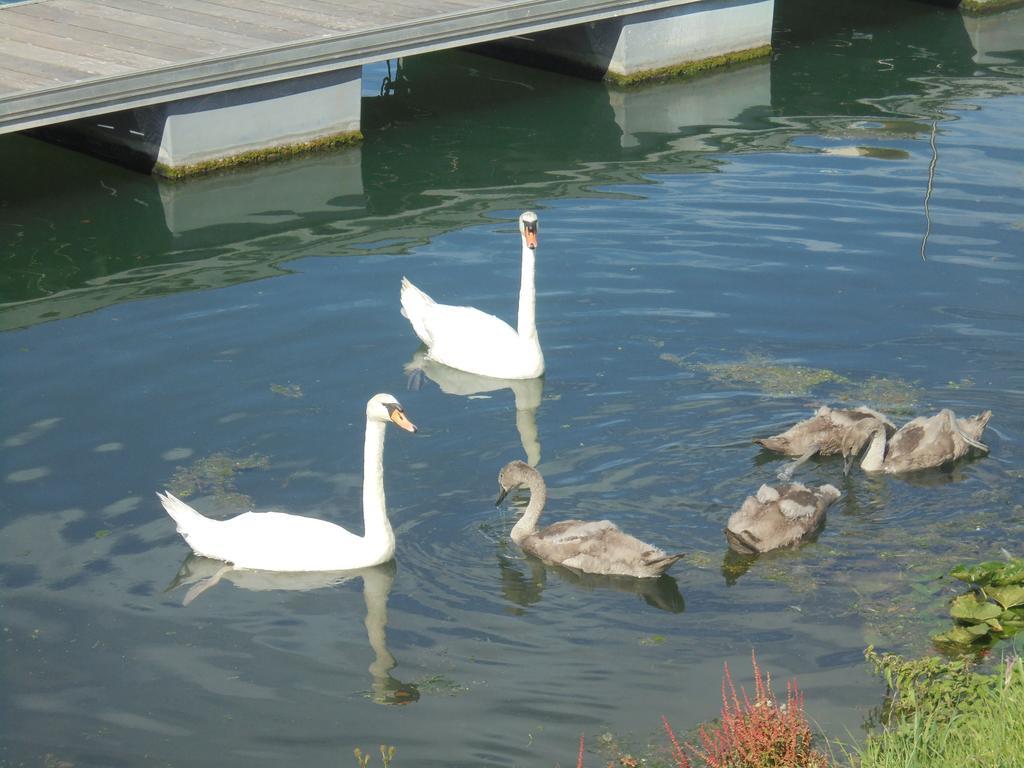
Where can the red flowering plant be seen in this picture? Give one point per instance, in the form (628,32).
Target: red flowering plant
(753,734)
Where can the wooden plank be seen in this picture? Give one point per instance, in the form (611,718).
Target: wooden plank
(410,11)
(102,27)
(85,66)
(146,26)
(417,9)
(250,14)
(90,37)
(59,44)
(294,11)
(12,81)
(209,24)
(52,73)
(333,10)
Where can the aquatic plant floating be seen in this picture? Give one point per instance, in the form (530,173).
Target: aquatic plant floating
(886,393)
(992,610)
(777,379)
(474,341)
(215,475)
(275,541)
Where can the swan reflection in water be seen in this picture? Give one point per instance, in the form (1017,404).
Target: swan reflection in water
(202,574)
(525,589)
(527,394)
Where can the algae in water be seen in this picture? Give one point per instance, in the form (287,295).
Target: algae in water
(215,475)
(289,390)
(889,395)
(776,379)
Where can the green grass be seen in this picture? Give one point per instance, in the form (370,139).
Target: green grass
(982,727)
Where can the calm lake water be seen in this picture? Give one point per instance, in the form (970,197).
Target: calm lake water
(842,223)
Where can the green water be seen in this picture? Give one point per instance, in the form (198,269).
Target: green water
(842,223)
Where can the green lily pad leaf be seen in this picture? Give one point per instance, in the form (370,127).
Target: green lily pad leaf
(962,635)
(981,573)
(1007,596)
(1011,625)
(1011,573)
(998,573)
(970,607)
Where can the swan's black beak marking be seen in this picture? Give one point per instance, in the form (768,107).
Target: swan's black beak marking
(502,493)
(398,417)
(530,233)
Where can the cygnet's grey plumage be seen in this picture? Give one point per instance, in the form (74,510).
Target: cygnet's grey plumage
(823,432)
(778,516)
(921,443)
(588,546)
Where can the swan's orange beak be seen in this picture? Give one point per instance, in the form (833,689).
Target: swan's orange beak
(398,416)
(530,233)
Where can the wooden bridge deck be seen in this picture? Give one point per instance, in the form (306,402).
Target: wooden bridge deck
(66,59)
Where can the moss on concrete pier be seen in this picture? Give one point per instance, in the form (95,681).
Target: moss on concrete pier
(975,7)
(690,68)
(255,156)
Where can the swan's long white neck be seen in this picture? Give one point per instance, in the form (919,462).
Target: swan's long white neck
(528,295)
(874,457)
(527,524)
(376,526)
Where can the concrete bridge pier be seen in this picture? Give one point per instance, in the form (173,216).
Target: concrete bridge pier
(259,122)
(670,41)
(250,124)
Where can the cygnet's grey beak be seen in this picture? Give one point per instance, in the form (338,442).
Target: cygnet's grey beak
(848,460)
(502,493)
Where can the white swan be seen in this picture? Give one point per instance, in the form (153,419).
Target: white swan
(275,541)
(474,341)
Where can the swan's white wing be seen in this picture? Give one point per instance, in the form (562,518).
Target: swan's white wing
(274,541)
(471,340)
(467,326)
